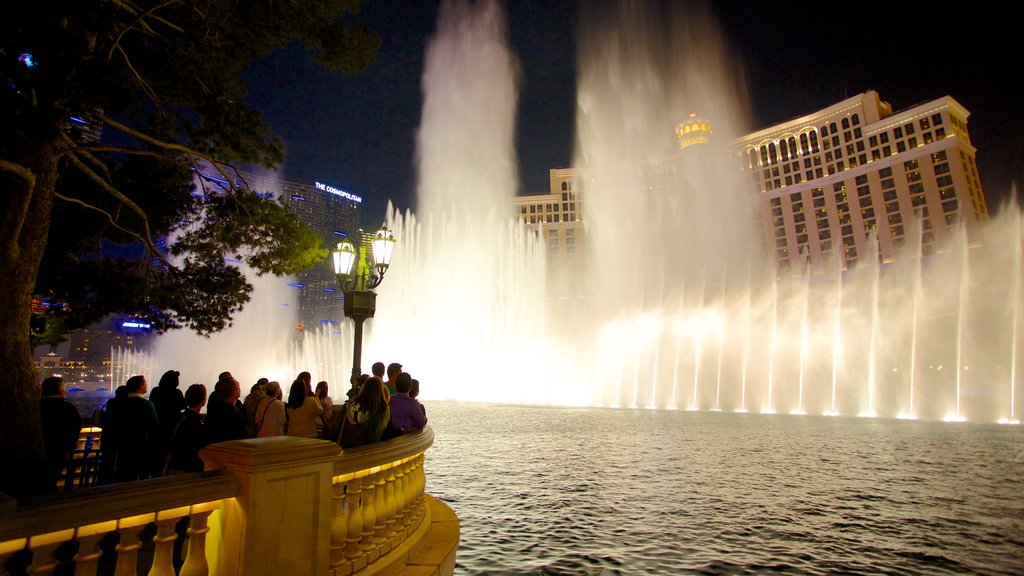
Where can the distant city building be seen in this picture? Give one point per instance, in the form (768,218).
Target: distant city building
(826,182)
(557,217)
(334,215)
(86,354)
(831,179)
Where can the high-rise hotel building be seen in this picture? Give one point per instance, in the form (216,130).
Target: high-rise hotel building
(334,215)
(557,216)
(828,183)
(831,180)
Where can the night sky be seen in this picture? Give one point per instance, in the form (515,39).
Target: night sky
(358,132)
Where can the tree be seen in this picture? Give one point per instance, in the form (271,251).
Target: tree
(122,223)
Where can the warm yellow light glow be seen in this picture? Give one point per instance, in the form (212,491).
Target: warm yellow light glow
(954,418)
(1007,421)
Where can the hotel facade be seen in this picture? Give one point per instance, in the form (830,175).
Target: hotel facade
(831,186)
(830,181)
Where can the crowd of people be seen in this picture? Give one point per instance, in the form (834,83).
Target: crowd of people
(162,434)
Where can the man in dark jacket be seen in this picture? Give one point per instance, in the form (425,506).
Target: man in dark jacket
(188,435)
(136,431)
(223,420)
(61,427)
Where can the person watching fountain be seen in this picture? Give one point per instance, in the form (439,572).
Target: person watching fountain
(224,421)
(61,426)
(270,412)
(394,369)
(364,418)
(303,411)
(188,435)
(406,412)
(169,402)
(136,430)
(256,394)
(378,370)
(328,405)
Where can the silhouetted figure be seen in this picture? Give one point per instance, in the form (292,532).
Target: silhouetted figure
(223,420)
(304,411)
(270,412)
(169,402)
(365,417)
(252,400)
(61,427)
(188,436)
(108,442)
(136,429)
(406,413)
(378,370)
(394,369)
(328,405)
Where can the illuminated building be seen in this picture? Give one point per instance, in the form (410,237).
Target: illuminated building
(333,214)
(831,180)
(556,216)
(828,184)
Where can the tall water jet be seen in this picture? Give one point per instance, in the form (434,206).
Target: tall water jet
(464,301)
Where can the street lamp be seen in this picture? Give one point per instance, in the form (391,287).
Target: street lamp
(357,277)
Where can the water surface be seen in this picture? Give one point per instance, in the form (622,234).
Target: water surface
(600,491)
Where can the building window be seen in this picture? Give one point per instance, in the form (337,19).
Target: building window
(884,137)
(937,119)
(897,132)
(909,127)
(949,206)
(873,141)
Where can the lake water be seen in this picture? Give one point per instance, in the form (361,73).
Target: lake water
(601,491)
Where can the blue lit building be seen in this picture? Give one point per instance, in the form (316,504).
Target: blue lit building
(334,215)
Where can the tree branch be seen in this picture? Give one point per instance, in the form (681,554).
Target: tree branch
(106,186)
(110,218)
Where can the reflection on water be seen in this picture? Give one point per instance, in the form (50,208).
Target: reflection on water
(597,491)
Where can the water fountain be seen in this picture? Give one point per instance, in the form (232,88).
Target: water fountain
(698,322)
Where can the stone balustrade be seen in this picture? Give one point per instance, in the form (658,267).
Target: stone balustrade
(70,527)
(265,506)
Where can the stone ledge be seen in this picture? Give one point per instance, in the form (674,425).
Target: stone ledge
(437,555)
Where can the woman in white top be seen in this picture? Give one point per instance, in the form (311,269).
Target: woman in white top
(304,412)
(270,414)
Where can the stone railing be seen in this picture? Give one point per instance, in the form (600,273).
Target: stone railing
(279,505)
(81,527)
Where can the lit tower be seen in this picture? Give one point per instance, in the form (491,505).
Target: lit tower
(694,130)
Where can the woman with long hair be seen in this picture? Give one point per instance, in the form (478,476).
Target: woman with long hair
(303,411)
(366,416)
(326,403)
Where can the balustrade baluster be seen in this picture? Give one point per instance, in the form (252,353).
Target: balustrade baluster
(391,502)
(163,555)
(381,505)
(89,552)
(195,559)
(339,522)
(128,550)
(355,519)
(399,488)
(366,543)
(43,548)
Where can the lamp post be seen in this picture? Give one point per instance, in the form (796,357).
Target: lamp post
(357,278)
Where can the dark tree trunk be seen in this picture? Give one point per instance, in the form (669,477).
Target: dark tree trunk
(23,232)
